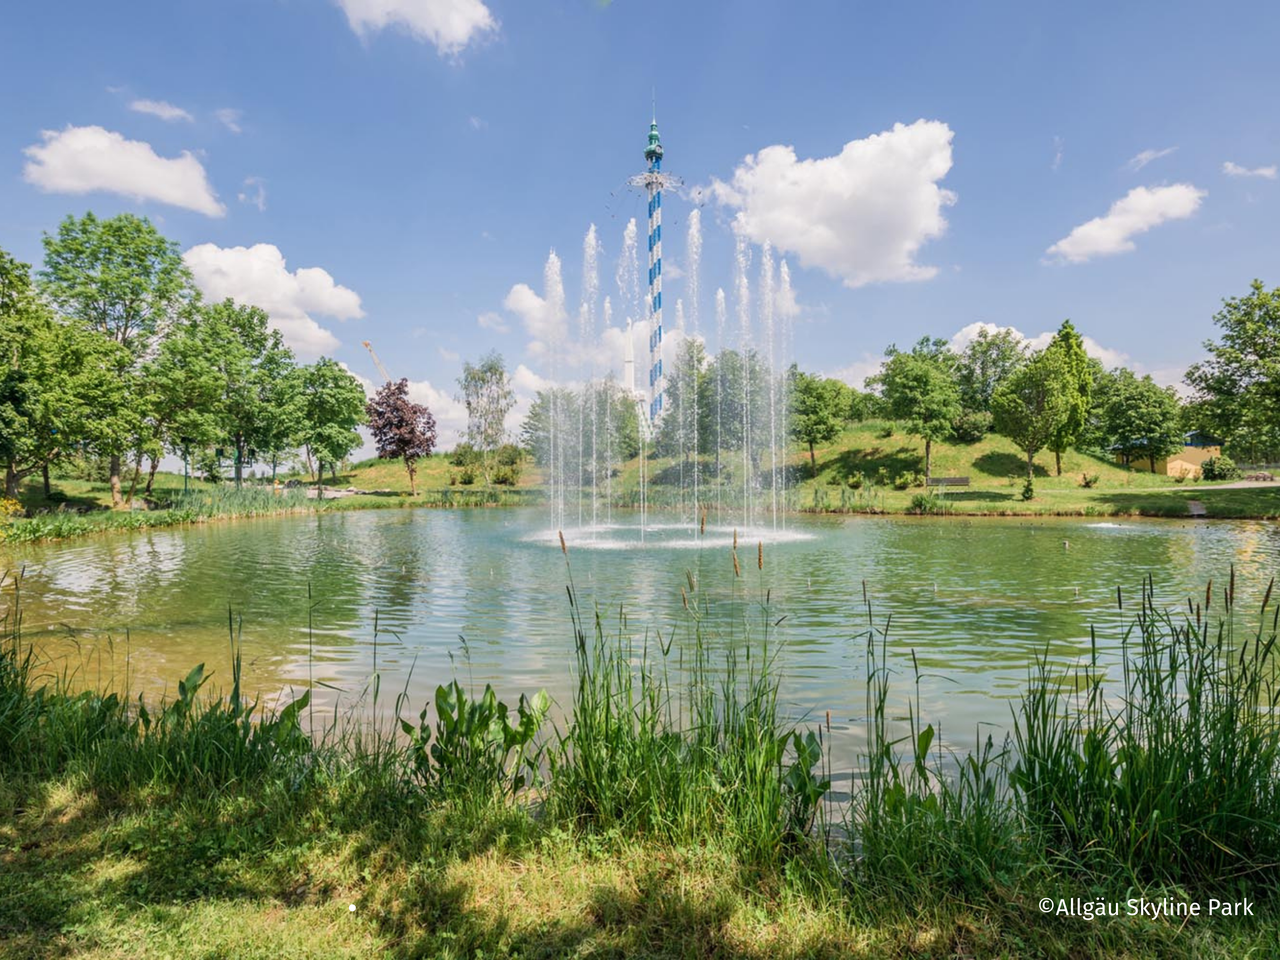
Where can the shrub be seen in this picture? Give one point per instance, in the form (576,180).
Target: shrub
(509,455)
(971,426)
(468,475)
(1028,490)
(882,477)
(507,476)
(1088,480)
(1220,468)
(833,480)
(922,503)
(857,481)
(902,481)
(464,455)
(885,432)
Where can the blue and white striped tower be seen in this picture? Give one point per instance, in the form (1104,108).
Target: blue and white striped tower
(653,153)
(654,181)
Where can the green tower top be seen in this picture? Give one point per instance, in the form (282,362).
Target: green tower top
(654,150)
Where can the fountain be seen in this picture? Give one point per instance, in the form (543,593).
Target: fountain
(698,448)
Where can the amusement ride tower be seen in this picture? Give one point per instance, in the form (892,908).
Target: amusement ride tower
(653,181)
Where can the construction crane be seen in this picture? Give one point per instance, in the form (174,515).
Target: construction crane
(377,363)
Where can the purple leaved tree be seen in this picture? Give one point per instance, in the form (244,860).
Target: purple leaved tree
(401,428)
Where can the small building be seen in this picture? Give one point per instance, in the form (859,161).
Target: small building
(1198,447)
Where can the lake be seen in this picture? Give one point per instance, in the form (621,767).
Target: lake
(975,599)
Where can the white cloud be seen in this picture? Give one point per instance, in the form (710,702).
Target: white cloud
(1136,212)
(855,374)
(1058,144)
(453,356)
(1109,357)
(258,276)
(159,108)
(1235,170)
(254,192)
(861,215)
(477,123)
(448,24)
(493,321)
(1146,156)
(87,159)
(229,117)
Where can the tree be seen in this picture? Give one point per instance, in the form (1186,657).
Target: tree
(818,405)
(1032,405)
(487,394)
(401,428)
(1238,387)
(920,387)
(121,279)
(332,406)
(61,387)
(1140,419)
(986,362)
(684,388)
(1079,390)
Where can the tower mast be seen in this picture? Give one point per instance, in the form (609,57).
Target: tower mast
(654,181)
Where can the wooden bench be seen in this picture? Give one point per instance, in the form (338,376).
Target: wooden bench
(947,482)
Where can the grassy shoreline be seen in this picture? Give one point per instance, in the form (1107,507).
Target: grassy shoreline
(676,813)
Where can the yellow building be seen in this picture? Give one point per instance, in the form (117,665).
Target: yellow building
(1199,448)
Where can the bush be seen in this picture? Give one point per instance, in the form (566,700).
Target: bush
(506,476)
(882,477)
(509,455)
(971,426)
(1028,490)
(886,432)
(1088,480)
(834,480)
(468,475)
(902,481)
(922,503)
(857,481)
(1220,468)
(464,455)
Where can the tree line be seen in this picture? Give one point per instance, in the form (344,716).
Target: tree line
(110,354)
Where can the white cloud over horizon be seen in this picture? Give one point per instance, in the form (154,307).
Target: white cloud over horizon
(449,25)
(229,117)
(1235,170)
(1138,211)
(159,108)
(861,215)
(80,160)
(259,276)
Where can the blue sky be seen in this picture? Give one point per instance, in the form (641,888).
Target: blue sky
(411,161)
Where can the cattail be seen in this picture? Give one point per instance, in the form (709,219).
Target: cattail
(563,548)
(760,555)
(1267,597)
(828,721)
(735,538)
(684,598)
(702,527)
(737,570)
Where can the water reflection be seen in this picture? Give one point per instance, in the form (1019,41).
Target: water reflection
(975,600)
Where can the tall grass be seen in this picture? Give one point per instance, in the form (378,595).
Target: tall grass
(1172,773)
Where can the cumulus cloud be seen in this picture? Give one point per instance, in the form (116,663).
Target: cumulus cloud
(1235,170)
(861,215)
(450,25)
(1146,156)
(159,108)
(88,159)
(229,117)
(1136,212)
(966,335)
(258,275)
(855,374)
(453,356)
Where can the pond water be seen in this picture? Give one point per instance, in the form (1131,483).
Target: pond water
(975,599)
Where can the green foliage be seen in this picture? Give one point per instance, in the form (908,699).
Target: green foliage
(986,362)
(971,426)
(1078,388)
(925,503)
(487,394)
(1028,489)
(1088,480)
(1220,468)
(1033,404)
(1238,386)
(478,753)
(1138,418)
(818,405)
(920,387)
(332,406)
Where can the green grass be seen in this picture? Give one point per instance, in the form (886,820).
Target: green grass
(678,811)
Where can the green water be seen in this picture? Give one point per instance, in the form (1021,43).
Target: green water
(975,600)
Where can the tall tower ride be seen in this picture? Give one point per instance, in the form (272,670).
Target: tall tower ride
(654,181)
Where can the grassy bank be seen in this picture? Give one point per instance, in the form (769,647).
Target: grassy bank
(674,811)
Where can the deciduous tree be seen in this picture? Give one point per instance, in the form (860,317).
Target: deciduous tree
(401,429)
